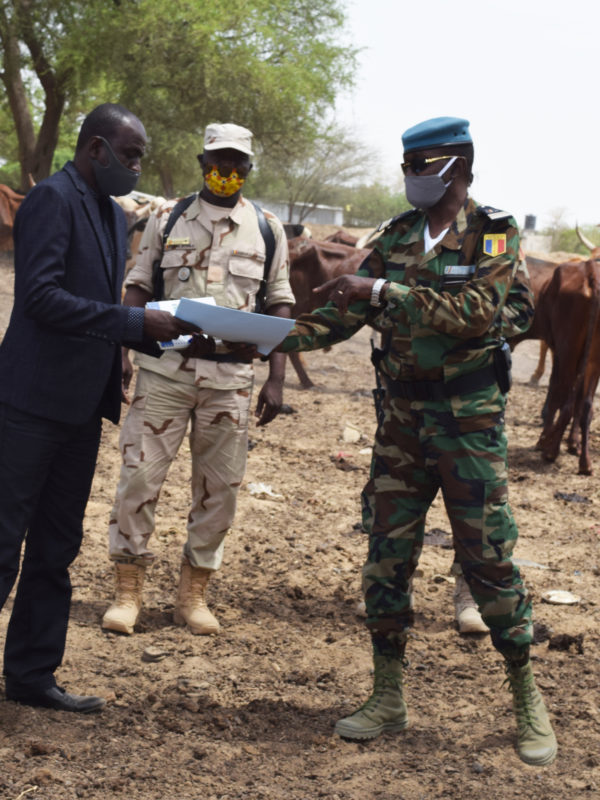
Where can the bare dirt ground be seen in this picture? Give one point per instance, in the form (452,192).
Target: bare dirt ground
(250,713)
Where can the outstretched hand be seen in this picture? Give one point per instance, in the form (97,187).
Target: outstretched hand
(163,326)
(344,290)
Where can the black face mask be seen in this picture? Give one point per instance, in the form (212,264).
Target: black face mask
(115,178)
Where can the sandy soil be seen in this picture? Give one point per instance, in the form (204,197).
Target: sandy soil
(250,713)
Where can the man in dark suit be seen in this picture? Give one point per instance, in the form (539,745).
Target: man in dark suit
(60,373)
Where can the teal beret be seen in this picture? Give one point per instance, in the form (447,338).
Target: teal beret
(436,132)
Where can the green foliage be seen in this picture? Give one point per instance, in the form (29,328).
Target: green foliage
(274,66)
(312,172)
(565,239)
(368,205)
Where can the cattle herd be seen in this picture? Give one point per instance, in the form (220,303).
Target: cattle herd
(566,321)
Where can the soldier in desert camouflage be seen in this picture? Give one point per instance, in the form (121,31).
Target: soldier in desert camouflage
(440,287)
(217,248)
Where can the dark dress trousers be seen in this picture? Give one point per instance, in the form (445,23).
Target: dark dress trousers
(60,373)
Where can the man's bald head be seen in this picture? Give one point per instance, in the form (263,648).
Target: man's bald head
(105,120)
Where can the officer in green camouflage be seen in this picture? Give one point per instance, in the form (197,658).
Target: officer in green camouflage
(441,286)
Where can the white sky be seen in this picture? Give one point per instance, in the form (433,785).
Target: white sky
(525,74)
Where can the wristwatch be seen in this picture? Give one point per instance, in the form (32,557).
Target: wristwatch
(376,292)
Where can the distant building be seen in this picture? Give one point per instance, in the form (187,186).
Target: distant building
(319,215)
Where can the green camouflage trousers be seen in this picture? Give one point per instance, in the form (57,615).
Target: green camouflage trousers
(420,448)
(161,412)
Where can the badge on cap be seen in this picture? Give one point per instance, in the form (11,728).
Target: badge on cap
(494,244)
(184,274)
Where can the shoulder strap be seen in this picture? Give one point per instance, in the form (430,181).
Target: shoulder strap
(482,216)
(269,239)
(157,273)
(176,212)
(392,221)
(493,213)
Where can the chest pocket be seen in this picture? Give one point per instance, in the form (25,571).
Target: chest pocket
(455,276)
(180,279)
(245,272)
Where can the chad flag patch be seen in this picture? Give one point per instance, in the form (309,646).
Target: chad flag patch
(494,244)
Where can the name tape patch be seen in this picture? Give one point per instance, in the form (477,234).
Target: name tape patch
(459,270)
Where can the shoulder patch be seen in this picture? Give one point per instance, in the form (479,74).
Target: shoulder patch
(393,220)
(493,213)
(494,244)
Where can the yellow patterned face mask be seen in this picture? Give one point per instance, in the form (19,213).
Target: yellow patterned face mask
(220,186)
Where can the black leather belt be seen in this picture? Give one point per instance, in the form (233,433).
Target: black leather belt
(230,358)
(442,390)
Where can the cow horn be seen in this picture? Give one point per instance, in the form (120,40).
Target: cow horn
(31,180)
(585,242)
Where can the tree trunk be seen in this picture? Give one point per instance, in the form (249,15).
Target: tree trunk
(53,84)
(35,155)
(166,179)
(17,96)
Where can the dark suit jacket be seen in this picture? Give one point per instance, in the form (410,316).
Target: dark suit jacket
(60,357)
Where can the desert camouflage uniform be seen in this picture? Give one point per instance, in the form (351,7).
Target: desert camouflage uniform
(442,320)
(224,260)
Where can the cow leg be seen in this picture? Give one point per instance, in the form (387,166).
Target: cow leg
(551,406)
(298,365)
(541,365)
(585,464)
(561,401)
(575,434)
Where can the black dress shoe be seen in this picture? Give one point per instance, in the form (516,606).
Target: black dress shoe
(59,699)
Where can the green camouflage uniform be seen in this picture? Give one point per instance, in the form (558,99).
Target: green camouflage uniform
(443,319)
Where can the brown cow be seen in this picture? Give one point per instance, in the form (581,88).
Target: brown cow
(9,203)
(342,237)
(311,264)
(540,271)
(568,316)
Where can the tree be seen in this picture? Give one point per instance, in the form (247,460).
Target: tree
(369,205)
(314,172)
(272,65)
(40,72)
(565,239)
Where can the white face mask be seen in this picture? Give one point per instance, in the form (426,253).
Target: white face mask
(424,191)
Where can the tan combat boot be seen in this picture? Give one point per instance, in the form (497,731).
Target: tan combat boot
(467,614)
(191,608)
(125,609)
(385,710)
(536,741)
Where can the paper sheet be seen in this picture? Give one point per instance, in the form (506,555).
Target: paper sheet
(231,325)
(171,307)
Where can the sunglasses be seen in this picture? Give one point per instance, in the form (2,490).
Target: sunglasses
(418,165)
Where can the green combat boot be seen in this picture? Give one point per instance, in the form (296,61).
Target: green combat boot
(536,741)
(385,710)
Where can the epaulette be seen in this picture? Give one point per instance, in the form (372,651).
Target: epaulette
(493,213)
(393,220)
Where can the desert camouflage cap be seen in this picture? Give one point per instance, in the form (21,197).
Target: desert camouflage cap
(436,132)
(219,136)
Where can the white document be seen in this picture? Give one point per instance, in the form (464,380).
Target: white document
(231,325)
(171,307)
